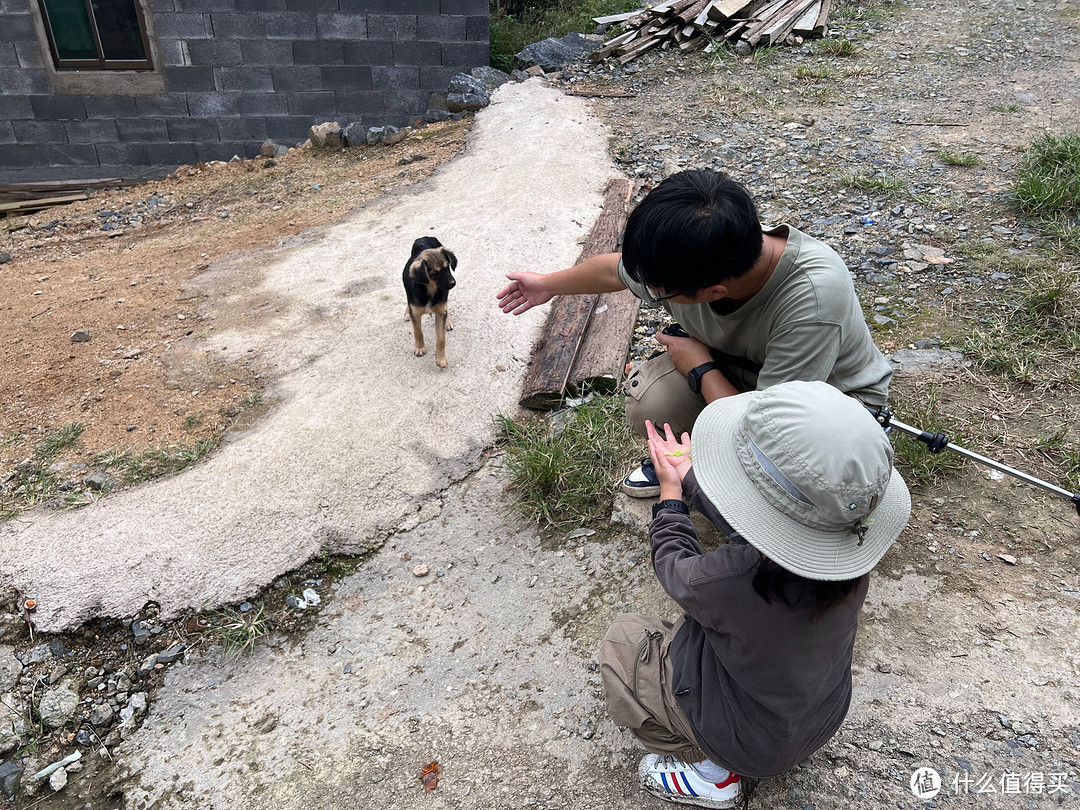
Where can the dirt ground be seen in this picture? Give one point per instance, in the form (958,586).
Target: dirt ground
(118,267)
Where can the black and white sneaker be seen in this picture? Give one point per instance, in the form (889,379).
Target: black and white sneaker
(642,482)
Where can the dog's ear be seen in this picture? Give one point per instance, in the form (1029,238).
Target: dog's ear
(418,272)
(450,257)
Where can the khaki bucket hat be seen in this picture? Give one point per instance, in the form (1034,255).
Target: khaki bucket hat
(805,474)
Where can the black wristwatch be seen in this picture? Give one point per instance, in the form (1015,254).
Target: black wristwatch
(673,505)
(693,379)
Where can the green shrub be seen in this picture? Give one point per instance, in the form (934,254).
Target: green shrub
(517,23)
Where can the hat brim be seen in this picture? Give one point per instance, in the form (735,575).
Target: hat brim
(803,550)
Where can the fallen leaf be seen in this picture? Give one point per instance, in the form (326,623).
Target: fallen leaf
(429,775)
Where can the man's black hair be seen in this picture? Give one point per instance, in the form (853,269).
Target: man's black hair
(693,230)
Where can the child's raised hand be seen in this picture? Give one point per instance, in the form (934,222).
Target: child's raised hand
(670,457)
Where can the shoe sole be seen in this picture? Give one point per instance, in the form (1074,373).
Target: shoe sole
(650,786)
(641,492)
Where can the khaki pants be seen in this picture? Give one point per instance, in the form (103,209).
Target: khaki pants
(657,391)
(636,672)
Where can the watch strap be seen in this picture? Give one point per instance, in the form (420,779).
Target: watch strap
(672,505)
(693,379)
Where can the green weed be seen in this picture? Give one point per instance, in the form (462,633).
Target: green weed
(920,467)
(1006,108)
(836,47)
(959,158)
(236,631)
(566,468)
(58,440)
(156,461)
(1048,178)
(813,74)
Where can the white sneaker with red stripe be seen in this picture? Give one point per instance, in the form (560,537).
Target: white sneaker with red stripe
(676,781)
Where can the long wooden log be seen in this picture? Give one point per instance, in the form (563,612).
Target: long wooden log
(547,379)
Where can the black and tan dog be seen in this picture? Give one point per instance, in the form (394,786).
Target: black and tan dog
(428,279)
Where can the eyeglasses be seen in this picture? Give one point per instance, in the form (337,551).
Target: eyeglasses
(655,296)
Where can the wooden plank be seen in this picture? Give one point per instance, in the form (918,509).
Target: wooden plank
(553,356)
(24,206)
(613,45)
(805,26)
(726,9)
(611,19)
(768,18)
(784,23)
(634,53)
(822,23)
(601,358)
(690,13)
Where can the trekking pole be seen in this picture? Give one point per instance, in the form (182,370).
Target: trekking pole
(936,442)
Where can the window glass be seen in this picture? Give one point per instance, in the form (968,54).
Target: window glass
(71,30)
(118,28)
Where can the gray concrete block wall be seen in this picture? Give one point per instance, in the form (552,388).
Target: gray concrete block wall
(228,74)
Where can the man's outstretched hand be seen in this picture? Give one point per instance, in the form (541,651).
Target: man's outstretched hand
(525,291)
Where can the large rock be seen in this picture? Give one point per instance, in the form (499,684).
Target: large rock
(326,136)
(552,54)
(10,774)
(466,93)
(354,134)
(58,706)
(10,667)
(493,78)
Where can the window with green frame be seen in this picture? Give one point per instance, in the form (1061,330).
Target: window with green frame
(97,34)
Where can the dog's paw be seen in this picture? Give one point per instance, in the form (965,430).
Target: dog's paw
(440,362)
(420,352)
(449,326)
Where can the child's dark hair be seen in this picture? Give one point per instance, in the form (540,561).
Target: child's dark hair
(693,230)
(771,580)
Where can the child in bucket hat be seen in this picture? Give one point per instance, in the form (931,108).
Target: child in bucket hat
(756,675)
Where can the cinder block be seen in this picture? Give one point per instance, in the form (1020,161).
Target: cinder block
(16,81)
(364,5)
(122,154)
(19,28)
(352,103)
(71,154)
(322,104)
(29,55)
(213,105)
(289,129)
(394,27)
(417,53)
(172,52)
(19,156)
(253,104)
(182,26)
(346,78)
(190,79)
(109,106)
(58,108)
(171,155)
(478,28)
(162,6)
(142,130)
(192,129)
(407,103)
(389,78)
(272,52)
(12,107)
(40,132)
(215,52)
(437,79)
(341,26)
(466,54)
(203,5)
(368,53)
(298,77)
(416,7)
(317,53)
(238,26)
(162,106)
(7,134)
(441,29)
(244,78)
(8,56)
(100,130)
(464,6)
(265,5)
(220,150)
(243,129)
(290,25)
(312,5)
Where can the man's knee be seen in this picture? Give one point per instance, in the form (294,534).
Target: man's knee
(657,391)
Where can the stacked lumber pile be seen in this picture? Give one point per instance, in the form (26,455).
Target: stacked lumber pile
(691,25)
(24,198)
